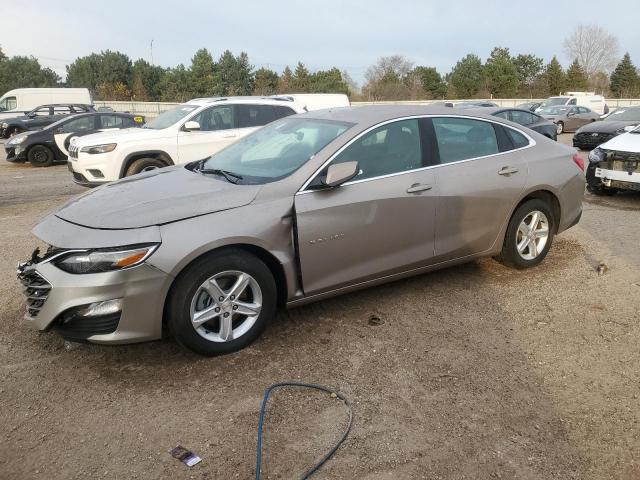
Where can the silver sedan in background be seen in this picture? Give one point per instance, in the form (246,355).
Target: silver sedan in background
(308,207)
(569,118)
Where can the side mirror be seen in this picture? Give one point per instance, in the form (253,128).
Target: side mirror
(191,125)
(339,173)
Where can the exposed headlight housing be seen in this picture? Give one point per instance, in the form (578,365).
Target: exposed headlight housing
(105,148)
(18,139)
(596,155)
(103,260)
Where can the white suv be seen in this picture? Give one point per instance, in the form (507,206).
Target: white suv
(191,131)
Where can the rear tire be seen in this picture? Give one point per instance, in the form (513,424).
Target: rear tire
(559,128)
(40,156)
(244,317)
(516,249)
(144,165)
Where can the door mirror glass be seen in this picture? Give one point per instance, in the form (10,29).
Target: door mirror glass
(339,173)
(191,125)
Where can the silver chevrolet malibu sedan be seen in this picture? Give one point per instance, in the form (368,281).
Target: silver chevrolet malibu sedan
(308,207)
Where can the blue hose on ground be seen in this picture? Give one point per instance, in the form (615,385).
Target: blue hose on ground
(263,408)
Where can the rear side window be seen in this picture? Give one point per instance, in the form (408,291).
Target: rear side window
(78,125)
(517,138)
(463,138)
(254,115)
(281,111)
(523,118)
(391,148)
(62,110)
(113,121)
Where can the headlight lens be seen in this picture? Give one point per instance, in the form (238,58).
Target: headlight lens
(18,139)
(596,155)
(4,125)
(97,261)
(107,147)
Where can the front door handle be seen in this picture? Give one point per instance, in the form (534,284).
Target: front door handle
(507,171)
(418,187)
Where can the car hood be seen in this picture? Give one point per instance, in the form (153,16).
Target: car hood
(155,198)
(627,142)
(606,126)
(120,136)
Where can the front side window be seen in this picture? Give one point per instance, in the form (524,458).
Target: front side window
(215,118)
(170,117)
(8,103)
(78,125)
(463,138)
(277,150)
(391,148)
(254,115)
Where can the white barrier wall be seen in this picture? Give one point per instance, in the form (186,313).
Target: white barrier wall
(153,109)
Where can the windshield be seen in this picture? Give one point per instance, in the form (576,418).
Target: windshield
(624,115)
(555,110)
(550,102)
(168,118)
(275,151)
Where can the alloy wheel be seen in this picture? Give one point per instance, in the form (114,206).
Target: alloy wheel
(226,306)
(532,235)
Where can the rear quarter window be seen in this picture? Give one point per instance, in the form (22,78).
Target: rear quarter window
(518,139)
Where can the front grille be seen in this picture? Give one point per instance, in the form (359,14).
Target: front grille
(73,151)
(591,141)
(36,290)
(625,156)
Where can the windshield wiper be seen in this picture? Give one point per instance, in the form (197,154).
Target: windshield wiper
(229,176)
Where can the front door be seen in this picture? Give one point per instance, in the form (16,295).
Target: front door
(481,173)
(217,130)
(379,223)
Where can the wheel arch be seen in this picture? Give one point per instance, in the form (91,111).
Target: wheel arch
(272,263)
(547,196)
(132,157)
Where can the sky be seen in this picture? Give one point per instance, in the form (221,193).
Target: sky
(321,33)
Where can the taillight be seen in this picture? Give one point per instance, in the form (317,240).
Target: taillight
(579,161)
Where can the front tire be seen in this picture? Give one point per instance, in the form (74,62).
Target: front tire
(144,165)
(222,302)
(40,156)
(559,128)
(529,235)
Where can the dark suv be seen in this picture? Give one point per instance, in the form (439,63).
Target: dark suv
(41,117)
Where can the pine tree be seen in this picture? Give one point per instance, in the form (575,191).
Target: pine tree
(466,76)
(625,82)
(285,81)
(501,74)
(576,77)
(301,78)
(265,82)
(555,77)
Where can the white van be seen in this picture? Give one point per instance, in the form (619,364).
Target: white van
(584,99)
(317,101)
(16,102)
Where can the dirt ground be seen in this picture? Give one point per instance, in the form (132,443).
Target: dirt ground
(476,371)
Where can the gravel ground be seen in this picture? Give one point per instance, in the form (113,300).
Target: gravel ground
(476,371)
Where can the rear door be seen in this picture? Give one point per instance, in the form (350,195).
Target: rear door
(217,130)
(380,223)
(480,174)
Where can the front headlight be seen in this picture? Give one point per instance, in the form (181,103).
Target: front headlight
(596,155)
(107,147)
(17,140)
(104,260)
(4,125)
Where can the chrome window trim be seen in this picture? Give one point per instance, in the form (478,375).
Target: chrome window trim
(303,190)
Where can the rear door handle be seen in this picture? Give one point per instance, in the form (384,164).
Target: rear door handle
(507,171)
(418,187)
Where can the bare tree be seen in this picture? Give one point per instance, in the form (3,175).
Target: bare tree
(595,49)
(393,65)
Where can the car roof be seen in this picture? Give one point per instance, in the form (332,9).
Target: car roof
(274,100)
(372,114)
